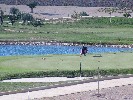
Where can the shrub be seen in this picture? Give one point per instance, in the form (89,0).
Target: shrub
(127,15)
(76,73)
(26,18)
(14,11)
(37,22)
(76,15)
(83,14)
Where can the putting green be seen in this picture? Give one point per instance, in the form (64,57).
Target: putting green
(66,62)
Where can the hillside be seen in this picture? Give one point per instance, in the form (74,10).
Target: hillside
(83,3)
(48,12)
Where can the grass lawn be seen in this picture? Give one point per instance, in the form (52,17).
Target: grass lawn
(20,64)
(92,30)
(88,35)
(20,86)
(9,86)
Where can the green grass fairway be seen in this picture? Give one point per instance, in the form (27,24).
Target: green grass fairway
(65,62)
(90,30)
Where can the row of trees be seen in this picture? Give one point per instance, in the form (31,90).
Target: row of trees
(15,14)
(27,18)
(110,11)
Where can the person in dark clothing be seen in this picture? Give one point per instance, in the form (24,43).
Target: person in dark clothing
(84,50)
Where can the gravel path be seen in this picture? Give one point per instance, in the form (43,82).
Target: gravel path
(76,92)
(114,93)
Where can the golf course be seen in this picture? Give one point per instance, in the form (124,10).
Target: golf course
(90,31)
(20,64)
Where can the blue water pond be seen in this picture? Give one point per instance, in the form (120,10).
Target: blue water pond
(9,50)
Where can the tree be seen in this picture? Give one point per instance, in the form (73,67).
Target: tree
(1,17)
(1,20)
(14,11)
(32,5)
(27,18)
(14,15)
(109,11)
(12,19)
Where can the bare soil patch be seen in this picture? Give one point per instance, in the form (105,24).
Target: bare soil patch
(48,12)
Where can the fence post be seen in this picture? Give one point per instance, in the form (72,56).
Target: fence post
(80,70)
(28,96)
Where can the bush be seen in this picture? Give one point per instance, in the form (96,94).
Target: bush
(76,73)
(75,15)
(14,11)
(12,18)
(15,15)
(127,15)
(83,14)
(37,22)
(27,18)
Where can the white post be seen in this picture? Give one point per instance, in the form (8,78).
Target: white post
(98,80)
(28,96)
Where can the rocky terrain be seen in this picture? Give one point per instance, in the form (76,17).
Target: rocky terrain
(114,93)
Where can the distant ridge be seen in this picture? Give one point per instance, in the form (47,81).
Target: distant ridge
(83,3)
